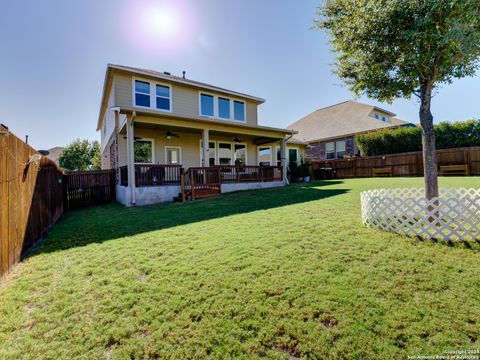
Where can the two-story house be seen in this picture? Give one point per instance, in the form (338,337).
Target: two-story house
(169,136)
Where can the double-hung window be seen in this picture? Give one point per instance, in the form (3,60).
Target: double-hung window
(162,97)
(340,149)
(207,105)
(330,150)
(142,93)
(152,95)
(238,110)
(224,108)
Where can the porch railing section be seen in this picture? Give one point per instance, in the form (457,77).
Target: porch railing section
(236,174)
(198,182)
(152,175)
(200,178)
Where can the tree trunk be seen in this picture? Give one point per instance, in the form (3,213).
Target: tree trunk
(428,142)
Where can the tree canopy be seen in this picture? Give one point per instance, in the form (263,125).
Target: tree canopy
(386,49)
(81,155)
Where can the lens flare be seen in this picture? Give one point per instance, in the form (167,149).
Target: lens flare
(159,27)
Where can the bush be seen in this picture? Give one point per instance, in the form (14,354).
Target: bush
(406,139)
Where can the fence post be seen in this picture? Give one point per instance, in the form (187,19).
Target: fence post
(182,183)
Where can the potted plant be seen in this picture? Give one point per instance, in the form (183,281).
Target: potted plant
(305,170)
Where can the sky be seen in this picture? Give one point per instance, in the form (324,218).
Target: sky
(54,54)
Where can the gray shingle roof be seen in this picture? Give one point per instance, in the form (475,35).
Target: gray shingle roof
(343,119)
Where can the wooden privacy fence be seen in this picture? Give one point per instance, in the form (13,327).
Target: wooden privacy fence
(404,164)
(31,198)
(86,188)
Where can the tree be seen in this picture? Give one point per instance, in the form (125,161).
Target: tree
(391,49)
(81,155)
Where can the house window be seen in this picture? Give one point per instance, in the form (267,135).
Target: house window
(224,108)
(264,155)
(206,105)
(330,150)
(225,153)
(173,155)
(240,154)
(239,110)
(163,97)
(143,151)
(293,155)
(279,156)
(142,93)
(340,149)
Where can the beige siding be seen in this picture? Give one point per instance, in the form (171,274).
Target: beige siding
(251,113)
(123,90)
(185,99)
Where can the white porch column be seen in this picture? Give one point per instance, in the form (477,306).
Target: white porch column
(283,157)
(131,158)
(206,148)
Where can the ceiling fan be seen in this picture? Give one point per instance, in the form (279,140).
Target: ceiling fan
(237,139)
(170,134)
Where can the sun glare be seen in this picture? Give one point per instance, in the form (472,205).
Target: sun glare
(161,21)
(160,26)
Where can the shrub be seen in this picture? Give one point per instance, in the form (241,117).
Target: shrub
(406,139)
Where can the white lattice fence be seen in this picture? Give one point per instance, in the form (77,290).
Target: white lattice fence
(454,215)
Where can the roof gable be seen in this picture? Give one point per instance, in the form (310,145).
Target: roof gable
(343,119)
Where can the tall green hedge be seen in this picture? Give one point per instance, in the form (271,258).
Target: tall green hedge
(405,139)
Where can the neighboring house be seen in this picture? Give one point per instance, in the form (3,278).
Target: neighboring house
(330,132)
(54,154)
(152,123)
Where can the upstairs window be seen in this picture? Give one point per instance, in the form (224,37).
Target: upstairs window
(221,107)
(330,150)
(239,110)
(163,97)
(206,105)
(224,108)
(142,93)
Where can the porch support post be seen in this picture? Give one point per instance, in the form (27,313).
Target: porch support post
(206,148)
(283,152)
(131,158)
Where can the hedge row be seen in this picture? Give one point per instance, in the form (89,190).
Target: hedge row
(405,139)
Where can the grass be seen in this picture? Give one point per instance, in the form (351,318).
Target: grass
(279,273)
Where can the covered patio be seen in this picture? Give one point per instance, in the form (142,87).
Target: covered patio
(163,158)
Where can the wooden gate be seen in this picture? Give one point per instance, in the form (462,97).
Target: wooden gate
(86,188)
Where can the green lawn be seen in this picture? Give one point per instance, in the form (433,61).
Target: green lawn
(280,273)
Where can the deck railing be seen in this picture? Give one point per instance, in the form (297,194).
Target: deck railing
(235,174)
(152,175)
(200,177)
